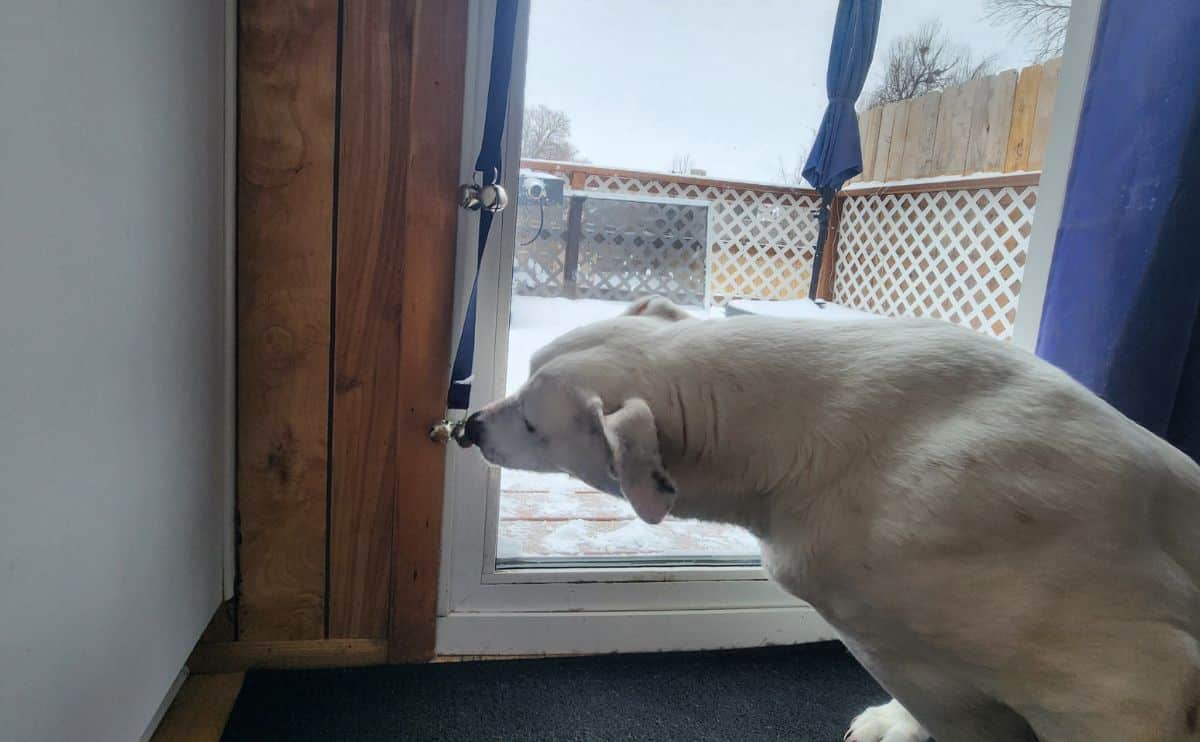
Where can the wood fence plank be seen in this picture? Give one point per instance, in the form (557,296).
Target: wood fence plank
(953,129)
(870,143)
(287,51)
(862,145)
(918,140)
(991,117)
(1020,132)
(887,120)
(899,131)
(1047,92)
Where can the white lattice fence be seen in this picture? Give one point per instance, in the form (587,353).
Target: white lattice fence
(760,244)
(540,259)
(954,255)
(629,249)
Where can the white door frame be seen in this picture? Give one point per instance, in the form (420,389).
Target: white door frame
(483,611)
(1052,188)
(554,611)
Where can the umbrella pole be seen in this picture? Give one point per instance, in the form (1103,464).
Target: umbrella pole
(819,250)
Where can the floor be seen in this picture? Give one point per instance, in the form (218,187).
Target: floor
(201,709)
(801,694)
(806,693)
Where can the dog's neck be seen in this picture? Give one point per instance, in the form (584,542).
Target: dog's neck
(729,467)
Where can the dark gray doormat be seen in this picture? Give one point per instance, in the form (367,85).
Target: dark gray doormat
(780,693)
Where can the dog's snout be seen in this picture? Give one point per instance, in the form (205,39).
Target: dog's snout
(473,430)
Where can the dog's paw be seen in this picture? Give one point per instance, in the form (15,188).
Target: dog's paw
(890,722)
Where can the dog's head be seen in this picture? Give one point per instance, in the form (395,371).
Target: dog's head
(580,412)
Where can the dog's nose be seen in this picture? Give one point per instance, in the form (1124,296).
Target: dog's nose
(472,430)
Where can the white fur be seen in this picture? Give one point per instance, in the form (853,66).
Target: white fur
(1007,554)
(890,722)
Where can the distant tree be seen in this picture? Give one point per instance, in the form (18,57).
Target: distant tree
(923,61)
(1041,23)
(793,174)
(682,164)
(546,135)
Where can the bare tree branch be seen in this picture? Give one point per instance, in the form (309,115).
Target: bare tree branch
(794,174)
(546,135)
(923,61)
(682,164)
(1043,23)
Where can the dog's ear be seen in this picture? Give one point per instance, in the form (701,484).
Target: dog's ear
(635,461)
(657,306)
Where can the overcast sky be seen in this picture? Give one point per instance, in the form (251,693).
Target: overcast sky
(736,84)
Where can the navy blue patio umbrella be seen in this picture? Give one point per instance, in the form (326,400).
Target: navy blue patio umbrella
(836,154)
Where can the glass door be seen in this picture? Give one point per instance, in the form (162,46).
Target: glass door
(541,563)
(653,148)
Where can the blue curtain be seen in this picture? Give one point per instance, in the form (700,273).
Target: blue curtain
(836,155)
(1123,299)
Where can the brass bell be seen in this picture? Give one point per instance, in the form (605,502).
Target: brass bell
(493,197)
(474,197)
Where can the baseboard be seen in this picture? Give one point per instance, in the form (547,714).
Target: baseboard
(166,704)
(222,657)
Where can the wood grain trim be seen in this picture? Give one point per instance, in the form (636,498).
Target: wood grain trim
(1014,180)
(372,172)
(201,710)
(287,52)
(228,657)
(401,119)
(829,260)
(223,625)
(431,224)
(569,168)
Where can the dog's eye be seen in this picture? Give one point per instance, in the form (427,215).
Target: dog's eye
(529,426)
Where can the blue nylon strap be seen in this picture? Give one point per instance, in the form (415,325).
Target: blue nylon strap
(489,165)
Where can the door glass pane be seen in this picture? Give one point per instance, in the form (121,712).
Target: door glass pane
(582,257)
(662,149)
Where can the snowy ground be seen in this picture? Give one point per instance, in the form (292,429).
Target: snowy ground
(555,515)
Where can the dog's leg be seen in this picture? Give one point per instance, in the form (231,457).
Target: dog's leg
(890,722)
(983,722)
(1128,682)
(931,703)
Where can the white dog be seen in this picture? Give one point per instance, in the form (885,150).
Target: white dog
(1008,555)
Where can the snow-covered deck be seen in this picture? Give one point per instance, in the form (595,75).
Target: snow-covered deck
(553,515)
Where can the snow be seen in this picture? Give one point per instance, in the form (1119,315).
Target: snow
(875,185)
(555,515)
(535,321)
(800,309)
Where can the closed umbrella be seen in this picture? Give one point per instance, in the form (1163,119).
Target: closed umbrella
(836,154)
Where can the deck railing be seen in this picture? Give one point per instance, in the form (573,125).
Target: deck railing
(951,248)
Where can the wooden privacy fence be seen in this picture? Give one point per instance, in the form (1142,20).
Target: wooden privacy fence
(993,124)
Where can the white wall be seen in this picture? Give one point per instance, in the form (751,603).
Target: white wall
(111,286)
